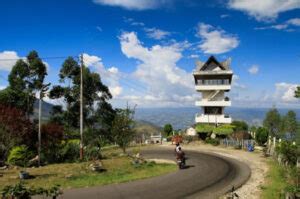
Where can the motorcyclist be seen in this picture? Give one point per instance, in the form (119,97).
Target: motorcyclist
(180,155)
(177,148)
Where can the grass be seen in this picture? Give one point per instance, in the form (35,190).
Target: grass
(276,181)
(75,175)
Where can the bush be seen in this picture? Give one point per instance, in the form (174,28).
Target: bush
(20,156)
(92,153)
(204,128)
(224,129)
(289,152)
(70,151)
(212,141)
(261,136)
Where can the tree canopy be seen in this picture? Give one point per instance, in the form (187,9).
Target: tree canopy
(168,129)
(25,80)
(272,122)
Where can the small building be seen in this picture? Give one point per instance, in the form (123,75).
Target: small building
(191,132)
(155,139)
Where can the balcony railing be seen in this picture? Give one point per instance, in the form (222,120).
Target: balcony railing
(213,82)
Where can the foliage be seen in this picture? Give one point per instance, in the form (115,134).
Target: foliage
(261,135)
(92,86)
(25,80)
(123,127)
(20,156)
(168,129)
(289,152)
(15,129)
(297,92)
(240,125)
(212,141)
(204,128)
(224,129)
(52,137)
(92,153)
(70,151)
(272,122)
(20,191)
(290,123)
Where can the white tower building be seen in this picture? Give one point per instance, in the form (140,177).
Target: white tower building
(213,80)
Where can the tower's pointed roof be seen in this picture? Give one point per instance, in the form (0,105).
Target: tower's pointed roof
(213,61)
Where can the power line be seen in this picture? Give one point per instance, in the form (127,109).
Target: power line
(42,58)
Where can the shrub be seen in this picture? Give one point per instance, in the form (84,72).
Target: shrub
(261,136)
(19,155)
(92,153)
(70,151)
(212,141)
(204,128)
(225,129)
(289,152)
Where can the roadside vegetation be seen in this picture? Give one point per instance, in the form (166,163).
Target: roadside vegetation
(54,143)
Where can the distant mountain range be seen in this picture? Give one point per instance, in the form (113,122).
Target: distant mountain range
(181,118)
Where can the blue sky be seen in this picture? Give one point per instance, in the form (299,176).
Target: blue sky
(145,50)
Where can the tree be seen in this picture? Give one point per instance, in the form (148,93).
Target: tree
(240,125)
(25,80)
(94,92)
(15,129)
(168,129)
(290,123)
(272,122)
(123,127)
(297,92)
(261,135)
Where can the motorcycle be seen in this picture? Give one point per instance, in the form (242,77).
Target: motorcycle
(181,163)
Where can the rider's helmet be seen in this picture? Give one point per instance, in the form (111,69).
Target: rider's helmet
(177,143)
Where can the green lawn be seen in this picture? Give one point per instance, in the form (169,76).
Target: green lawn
(275,182)
(74,175)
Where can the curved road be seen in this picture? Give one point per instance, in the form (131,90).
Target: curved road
(207,176)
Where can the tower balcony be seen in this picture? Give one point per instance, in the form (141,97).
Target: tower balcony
(208,87)
(209,119)
(222,103)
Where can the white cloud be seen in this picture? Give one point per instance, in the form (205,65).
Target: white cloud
(2,87)
(193,56)
(116,90)
(285,92)
(99,28)
(134,4)
(109,76)
(284,26)
(156,33)
(8,60)
(157,69)
(224,16)
(294,21)
(264,10)
(215,41)
(253,69)
(235,82)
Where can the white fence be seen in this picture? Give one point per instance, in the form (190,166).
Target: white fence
(237,143)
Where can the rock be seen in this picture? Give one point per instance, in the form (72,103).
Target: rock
(68,176)
(4,167)
(1,175)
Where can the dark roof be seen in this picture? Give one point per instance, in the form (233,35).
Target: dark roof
(212,60)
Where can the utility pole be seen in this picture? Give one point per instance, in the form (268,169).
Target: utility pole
(43,89)
(81,107)
(40,124)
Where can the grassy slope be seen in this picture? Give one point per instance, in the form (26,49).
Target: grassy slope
(275,181)
(74,175)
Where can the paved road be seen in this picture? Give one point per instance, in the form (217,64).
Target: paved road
(207,176)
